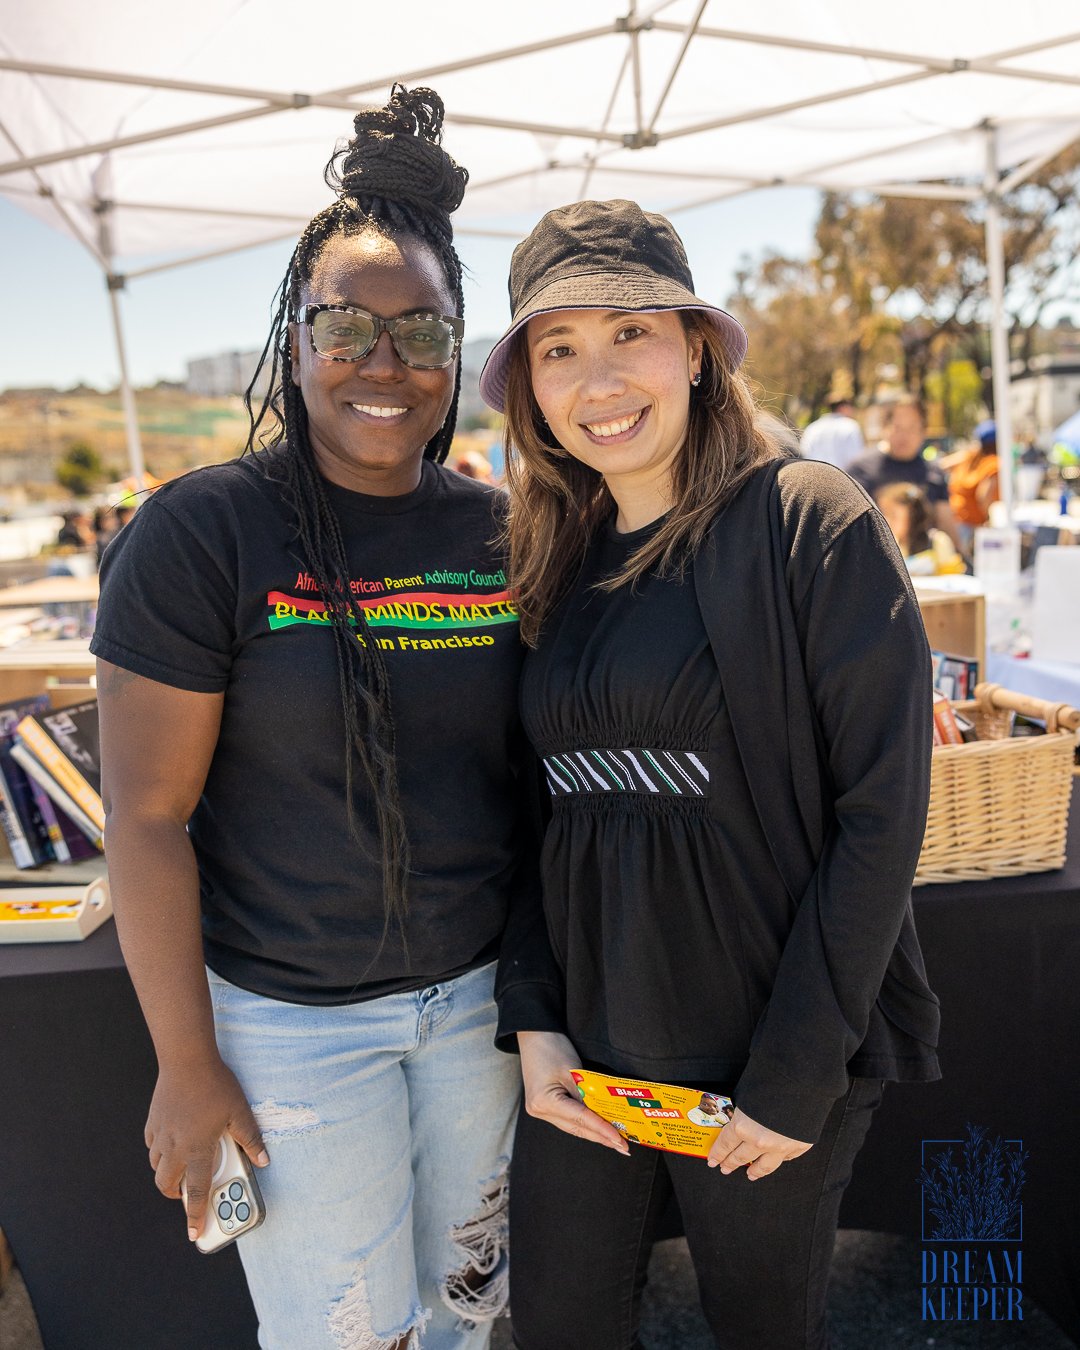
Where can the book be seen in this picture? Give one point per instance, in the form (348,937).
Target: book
(47,811)
(70,808)
(53,913)
(68,841)
(658,1115)
(65,743)
(20,817)
(955,676)
(946,731)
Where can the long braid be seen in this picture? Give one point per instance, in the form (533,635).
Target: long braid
(392,177)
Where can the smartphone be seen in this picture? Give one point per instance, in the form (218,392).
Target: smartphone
(235,1206)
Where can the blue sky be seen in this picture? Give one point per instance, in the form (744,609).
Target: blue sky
(58,330)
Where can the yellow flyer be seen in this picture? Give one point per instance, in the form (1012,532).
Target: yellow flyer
(658,1115)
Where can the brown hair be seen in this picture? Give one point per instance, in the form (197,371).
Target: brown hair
(920,514)
(904,401)
(556,502)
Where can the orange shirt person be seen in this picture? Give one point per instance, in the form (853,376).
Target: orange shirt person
(973,481)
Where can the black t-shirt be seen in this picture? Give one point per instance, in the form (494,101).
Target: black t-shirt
(207,589)
(656,870)
(874,471)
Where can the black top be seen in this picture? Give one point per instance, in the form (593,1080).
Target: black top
(654,888)
(818,743)
(207,590)
(875,470)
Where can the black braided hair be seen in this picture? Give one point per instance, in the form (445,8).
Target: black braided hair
(392,177)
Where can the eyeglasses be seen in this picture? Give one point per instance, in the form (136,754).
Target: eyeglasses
(344,333)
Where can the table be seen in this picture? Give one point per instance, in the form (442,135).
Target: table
(51,591)
(105,1257)
(106,1260)
(1003,956)
(1055,681)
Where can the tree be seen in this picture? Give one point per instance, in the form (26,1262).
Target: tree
(804,330)
(80,470)
(909,276)
(957,388)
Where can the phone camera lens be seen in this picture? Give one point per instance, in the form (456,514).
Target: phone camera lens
(243,1213)
(224,1210)
(236,1191)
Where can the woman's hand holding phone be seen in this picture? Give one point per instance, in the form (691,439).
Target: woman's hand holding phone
(551,1093)
(192,1107)
(744,1143)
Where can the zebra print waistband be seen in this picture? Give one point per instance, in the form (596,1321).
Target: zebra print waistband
(664,773)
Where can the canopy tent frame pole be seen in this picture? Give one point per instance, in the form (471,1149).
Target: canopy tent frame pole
(114,284)
(999,339)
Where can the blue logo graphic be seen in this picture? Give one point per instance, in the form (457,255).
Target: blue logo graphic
(971,1188)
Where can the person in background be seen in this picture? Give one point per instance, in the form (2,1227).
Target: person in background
(898,459)
(104,530)
(75,531)
(973,482)
(926,550)
(1030,472)
(836,438)
(729,685)
(313,823)
(472,464)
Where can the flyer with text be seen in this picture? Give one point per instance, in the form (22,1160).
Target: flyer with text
(658,1115)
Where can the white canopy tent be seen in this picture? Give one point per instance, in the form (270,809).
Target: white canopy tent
(208,133)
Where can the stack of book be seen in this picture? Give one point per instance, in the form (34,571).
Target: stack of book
(50,782)
(51,812)
(955,676)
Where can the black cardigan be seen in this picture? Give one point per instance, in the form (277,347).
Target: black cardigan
(825,670)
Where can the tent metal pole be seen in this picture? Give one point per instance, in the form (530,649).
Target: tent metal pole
(1025,171)
(938,64)
(691,28)
(999,340)
(635,66)
(115,284)
(583,191)
(779,109)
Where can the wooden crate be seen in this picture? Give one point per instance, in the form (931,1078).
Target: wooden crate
(26,670)
(955,623)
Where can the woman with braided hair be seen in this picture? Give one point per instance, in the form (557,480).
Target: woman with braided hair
(313,830)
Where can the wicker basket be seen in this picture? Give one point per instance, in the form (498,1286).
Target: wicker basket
(999,806)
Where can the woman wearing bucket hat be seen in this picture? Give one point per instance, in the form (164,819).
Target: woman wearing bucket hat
(729,688)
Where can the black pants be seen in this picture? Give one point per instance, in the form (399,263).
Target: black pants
(583,1219)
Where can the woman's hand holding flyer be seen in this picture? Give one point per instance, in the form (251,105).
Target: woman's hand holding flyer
(548,1068)
(745,1143)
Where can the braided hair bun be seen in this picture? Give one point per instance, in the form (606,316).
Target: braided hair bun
(396,155)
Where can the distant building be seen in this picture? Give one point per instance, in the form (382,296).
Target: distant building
(19,468)
(1044,395)
(223,375)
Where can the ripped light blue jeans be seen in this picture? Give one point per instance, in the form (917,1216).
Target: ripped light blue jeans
(388,1125)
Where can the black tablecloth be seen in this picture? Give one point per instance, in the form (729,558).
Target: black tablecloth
(1003,957)
(106,1259)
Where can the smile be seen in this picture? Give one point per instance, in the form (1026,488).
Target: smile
(622,426)
(377,410)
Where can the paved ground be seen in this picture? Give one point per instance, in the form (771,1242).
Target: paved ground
(874,1303)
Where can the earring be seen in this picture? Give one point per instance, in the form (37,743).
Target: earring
(696,381)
